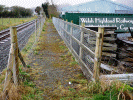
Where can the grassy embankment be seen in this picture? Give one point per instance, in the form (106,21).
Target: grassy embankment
(7,22)
(81,89)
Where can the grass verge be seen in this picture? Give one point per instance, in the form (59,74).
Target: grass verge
(6,22)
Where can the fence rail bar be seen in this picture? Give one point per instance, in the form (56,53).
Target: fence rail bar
(122,77)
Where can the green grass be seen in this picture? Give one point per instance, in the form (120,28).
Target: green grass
(7,22)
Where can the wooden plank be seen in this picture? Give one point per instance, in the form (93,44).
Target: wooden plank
(107,67)
(109,32)
(109,38)
(108,54)
(109,44)
(106,48)
(122,77)
(21,58)
(104,44)
(110,48)
(125,54)
(128,59)
(127,64)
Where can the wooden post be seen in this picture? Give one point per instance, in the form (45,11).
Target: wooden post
(13,64)
(66,28)
(21,58)
(63,32)
(15,49)
(71,32)
(35,29)
(9,73)
(83,24)
(39,26)
(98,53)
(81,40)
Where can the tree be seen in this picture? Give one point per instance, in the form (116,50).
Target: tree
(1,8)
(52,10)
(45,8)
(14,11)
(38,9)
(21,11)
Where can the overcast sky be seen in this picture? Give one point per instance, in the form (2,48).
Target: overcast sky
(35,3)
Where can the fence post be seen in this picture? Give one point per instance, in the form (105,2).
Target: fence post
(13,64)
(81,40)
(35,29)
(66,28)
(98,53)
(39,26)
(15,48)
(9,73)
(71,32)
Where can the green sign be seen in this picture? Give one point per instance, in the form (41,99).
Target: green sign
(122,24)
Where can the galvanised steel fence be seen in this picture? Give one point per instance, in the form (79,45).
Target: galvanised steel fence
(99,53)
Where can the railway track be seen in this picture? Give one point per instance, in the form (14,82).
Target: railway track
(5,33)
(23,32)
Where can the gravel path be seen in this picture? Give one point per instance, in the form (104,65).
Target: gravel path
(48,59)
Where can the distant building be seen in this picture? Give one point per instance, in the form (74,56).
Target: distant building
(99,6)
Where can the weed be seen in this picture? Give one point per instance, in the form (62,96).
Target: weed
(28,66)
(35,52)
(62,47)
(31,84)
(73,63)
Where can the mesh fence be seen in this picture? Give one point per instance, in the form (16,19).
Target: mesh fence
(76,39)
(117,50)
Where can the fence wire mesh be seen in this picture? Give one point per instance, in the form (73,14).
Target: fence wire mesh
(77,43)
(117,50)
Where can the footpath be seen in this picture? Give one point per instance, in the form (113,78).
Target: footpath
(56,71)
